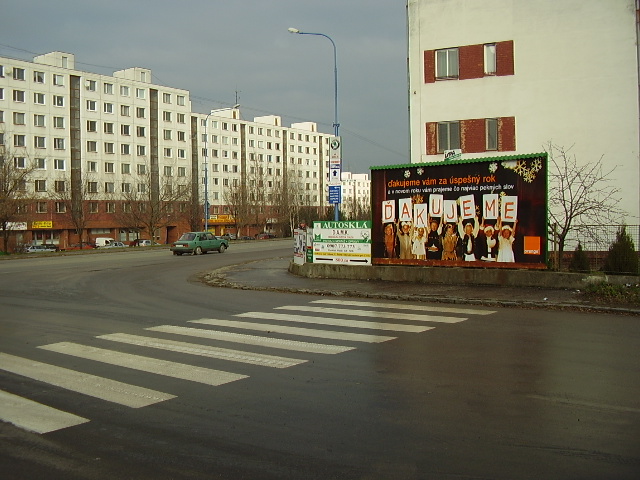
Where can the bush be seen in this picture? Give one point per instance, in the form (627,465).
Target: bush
(622,256)
(579,261)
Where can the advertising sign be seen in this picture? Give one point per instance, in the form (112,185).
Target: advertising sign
(335,194)
(487,212)
(346,242)
(42,224)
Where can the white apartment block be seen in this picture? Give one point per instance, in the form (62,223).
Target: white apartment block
(103,137)
(356,194)
(503,77)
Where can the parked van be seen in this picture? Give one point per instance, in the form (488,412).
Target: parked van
(103,241)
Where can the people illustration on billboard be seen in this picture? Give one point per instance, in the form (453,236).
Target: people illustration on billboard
(434,240)
(449,243)
(487,243)
(505,241)
(404,238)
(418,248)
(390,241)
(468,230)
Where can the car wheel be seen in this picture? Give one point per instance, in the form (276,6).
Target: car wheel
(222,248)
(197,251)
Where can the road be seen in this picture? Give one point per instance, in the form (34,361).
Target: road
(123,365)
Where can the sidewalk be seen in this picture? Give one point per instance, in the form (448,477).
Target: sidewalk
(273,275)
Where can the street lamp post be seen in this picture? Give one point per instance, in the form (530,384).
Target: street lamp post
(336,124)
(206,174)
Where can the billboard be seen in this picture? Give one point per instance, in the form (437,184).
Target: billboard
(347,243)
(485,212)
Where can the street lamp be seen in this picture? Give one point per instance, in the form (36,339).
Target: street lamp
(336,125)
(206,173)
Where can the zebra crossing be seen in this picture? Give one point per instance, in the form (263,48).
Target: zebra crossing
(338,321)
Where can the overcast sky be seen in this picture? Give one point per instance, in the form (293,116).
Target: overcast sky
(218,49)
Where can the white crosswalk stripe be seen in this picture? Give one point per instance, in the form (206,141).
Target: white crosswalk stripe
(335,322)
(404,306)
(146,364)
(205,351)
(98,387)
(34,416)
(39,418)
(298,331)
(373,314)
(253,339)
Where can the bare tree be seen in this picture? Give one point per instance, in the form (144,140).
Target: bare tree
(580,195)
(75,198)
(15,171)
(236,197)
(151,206)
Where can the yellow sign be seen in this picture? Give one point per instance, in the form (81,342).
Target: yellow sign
(42,224)
(216,219)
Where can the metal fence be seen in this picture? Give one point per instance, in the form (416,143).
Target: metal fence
(595,241)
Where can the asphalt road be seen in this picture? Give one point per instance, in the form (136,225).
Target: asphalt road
(224,383)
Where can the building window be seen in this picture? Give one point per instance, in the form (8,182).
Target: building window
(168,153)
(18,96)
(125,110)
(93,207)
(41,185)
(58,122)
(166,98)
(140,132)
(109,187)
(140,93)
(126,188)
(39,142)
(109,147)
(125,149)
(38,77)
(166,116)
(182,153)
(108,88)
(19,118)
(182,137)
(182,171)
(109,167)
(168,171)
(108,127)
(92,166)
(38,98)
(58,100)
(142,188)
(90,85)
(18,74)
(41,207)
(448,136)
(447,63)
(20,162)
(92,105)
(61,207)
(60,186)
(167,134)
(490,59)
(124,90)
(38,120)
(58,80)
(492,133)
(92,146)
(19,141)
(142,169)
(140,112)
(141,150)
(58,164)
(108,107)
(180,117)
(125,168)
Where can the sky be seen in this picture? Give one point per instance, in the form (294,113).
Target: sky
(239,51)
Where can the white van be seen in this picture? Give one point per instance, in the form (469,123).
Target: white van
(103,241)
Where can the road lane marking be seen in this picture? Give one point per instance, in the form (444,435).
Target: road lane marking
(372,314)
(150,365)
(34,416)
(335,322)
(98,387)
(298,331)
(205,350)
(403,306)
(253,340)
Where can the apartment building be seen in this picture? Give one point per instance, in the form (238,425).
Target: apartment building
(100,147)
(503,77)
(356,195)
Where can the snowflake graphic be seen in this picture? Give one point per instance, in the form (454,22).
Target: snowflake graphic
(536,165)
(493,167)
(407,173)
(420,171)
(510,164)
(521,167)
(529,176)
(417,199)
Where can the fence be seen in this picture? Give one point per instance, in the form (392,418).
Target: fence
(595,241)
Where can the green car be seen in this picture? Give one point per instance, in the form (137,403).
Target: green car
(197,243)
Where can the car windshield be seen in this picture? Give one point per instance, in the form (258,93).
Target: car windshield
(188,236)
